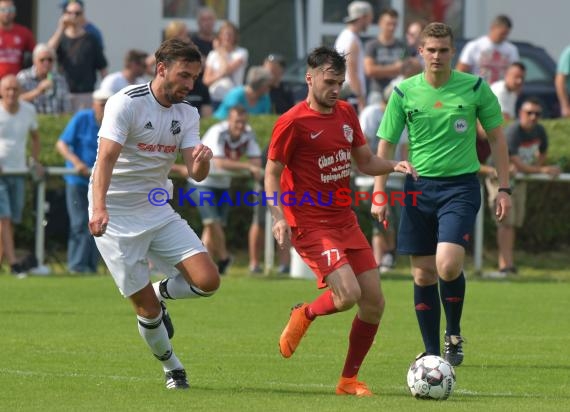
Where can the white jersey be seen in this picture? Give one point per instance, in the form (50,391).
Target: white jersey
(343,44)
(219,140)
(114,82)
(507,99)
(14,131)
(151,136)
(487,59)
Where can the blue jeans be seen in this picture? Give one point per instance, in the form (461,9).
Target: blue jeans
(82,253)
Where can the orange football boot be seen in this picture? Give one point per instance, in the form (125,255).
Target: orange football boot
(294,331)
(350,386)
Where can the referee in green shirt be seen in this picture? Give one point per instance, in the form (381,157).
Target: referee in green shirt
(441,107)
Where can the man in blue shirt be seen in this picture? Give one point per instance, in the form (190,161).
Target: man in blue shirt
(78,145)
(254,96)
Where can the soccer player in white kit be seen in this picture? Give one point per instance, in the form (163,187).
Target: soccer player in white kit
(142,131)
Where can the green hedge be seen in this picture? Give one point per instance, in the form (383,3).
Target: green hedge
(548,204)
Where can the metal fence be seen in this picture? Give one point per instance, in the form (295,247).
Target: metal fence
(362,182)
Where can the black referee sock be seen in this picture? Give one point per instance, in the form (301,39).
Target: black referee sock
(428,312)
(452,296)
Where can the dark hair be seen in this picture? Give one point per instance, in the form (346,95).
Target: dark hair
(390,12)
(325,55)
(520,65)
(502,20)
(437,30)
(532,100)
(239,109)
(65,3)
(276,58)
(135,56)
(175,49)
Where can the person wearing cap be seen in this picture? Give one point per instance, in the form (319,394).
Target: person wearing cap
(281,97)
(254,96)
(133,71)
(78,145)
(349,44)
(42,85)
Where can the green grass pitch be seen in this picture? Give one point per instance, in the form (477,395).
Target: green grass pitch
(71,344)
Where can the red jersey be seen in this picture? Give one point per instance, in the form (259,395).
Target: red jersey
(13,44)
(315,149)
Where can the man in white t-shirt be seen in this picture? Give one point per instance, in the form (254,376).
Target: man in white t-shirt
(509,89)
(17,120)
(230,140)
(143,129)
(489,56)
(348,43)
(133,71)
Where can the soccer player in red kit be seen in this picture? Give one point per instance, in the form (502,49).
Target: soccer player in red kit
(310,156)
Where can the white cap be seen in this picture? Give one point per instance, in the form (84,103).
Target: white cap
(102,94)
(357,9)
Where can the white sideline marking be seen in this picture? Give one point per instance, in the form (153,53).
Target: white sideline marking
(72,375)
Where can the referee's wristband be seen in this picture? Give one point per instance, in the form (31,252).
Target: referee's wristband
(507,190)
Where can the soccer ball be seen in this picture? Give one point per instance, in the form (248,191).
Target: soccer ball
(431,377)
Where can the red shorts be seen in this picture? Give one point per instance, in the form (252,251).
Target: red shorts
(325,250)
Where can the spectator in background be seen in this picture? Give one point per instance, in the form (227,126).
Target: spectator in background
(225,64)
(528,144)
(281,98)
(562,82)
(15,40)
(177,29)
(383,55)
(256,235)
(79,55)
(134,68)
(199,96)
(42,86)
(204,37)
(508,89)
(490,55)
(348,43)
(87,25)
(229,140)
(17,120)
(384,235)
(78,145)
(507,92)
(254,96)
(413,32)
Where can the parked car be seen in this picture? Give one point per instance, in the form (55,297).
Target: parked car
(539,82)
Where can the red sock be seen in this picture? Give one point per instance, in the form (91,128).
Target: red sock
(323,305)
(361,337)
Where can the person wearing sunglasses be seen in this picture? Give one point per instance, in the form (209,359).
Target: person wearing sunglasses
(80,15)
(79,54)
(528,144)
(42,85)
(15,40)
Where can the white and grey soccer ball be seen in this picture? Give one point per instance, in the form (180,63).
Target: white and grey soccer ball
(431,377)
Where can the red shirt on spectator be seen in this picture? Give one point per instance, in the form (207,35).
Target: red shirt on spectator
(13,44)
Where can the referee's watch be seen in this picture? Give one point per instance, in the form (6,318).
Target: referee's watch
(507,190)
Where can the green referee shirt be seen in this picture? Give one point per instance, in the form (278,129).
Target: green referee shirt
(442,122)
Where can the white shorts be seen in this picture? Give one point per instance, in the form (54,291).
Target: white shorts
(130,240)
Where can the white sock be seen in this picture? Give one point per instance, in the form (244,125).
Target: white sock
(155,335)
(178,288)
